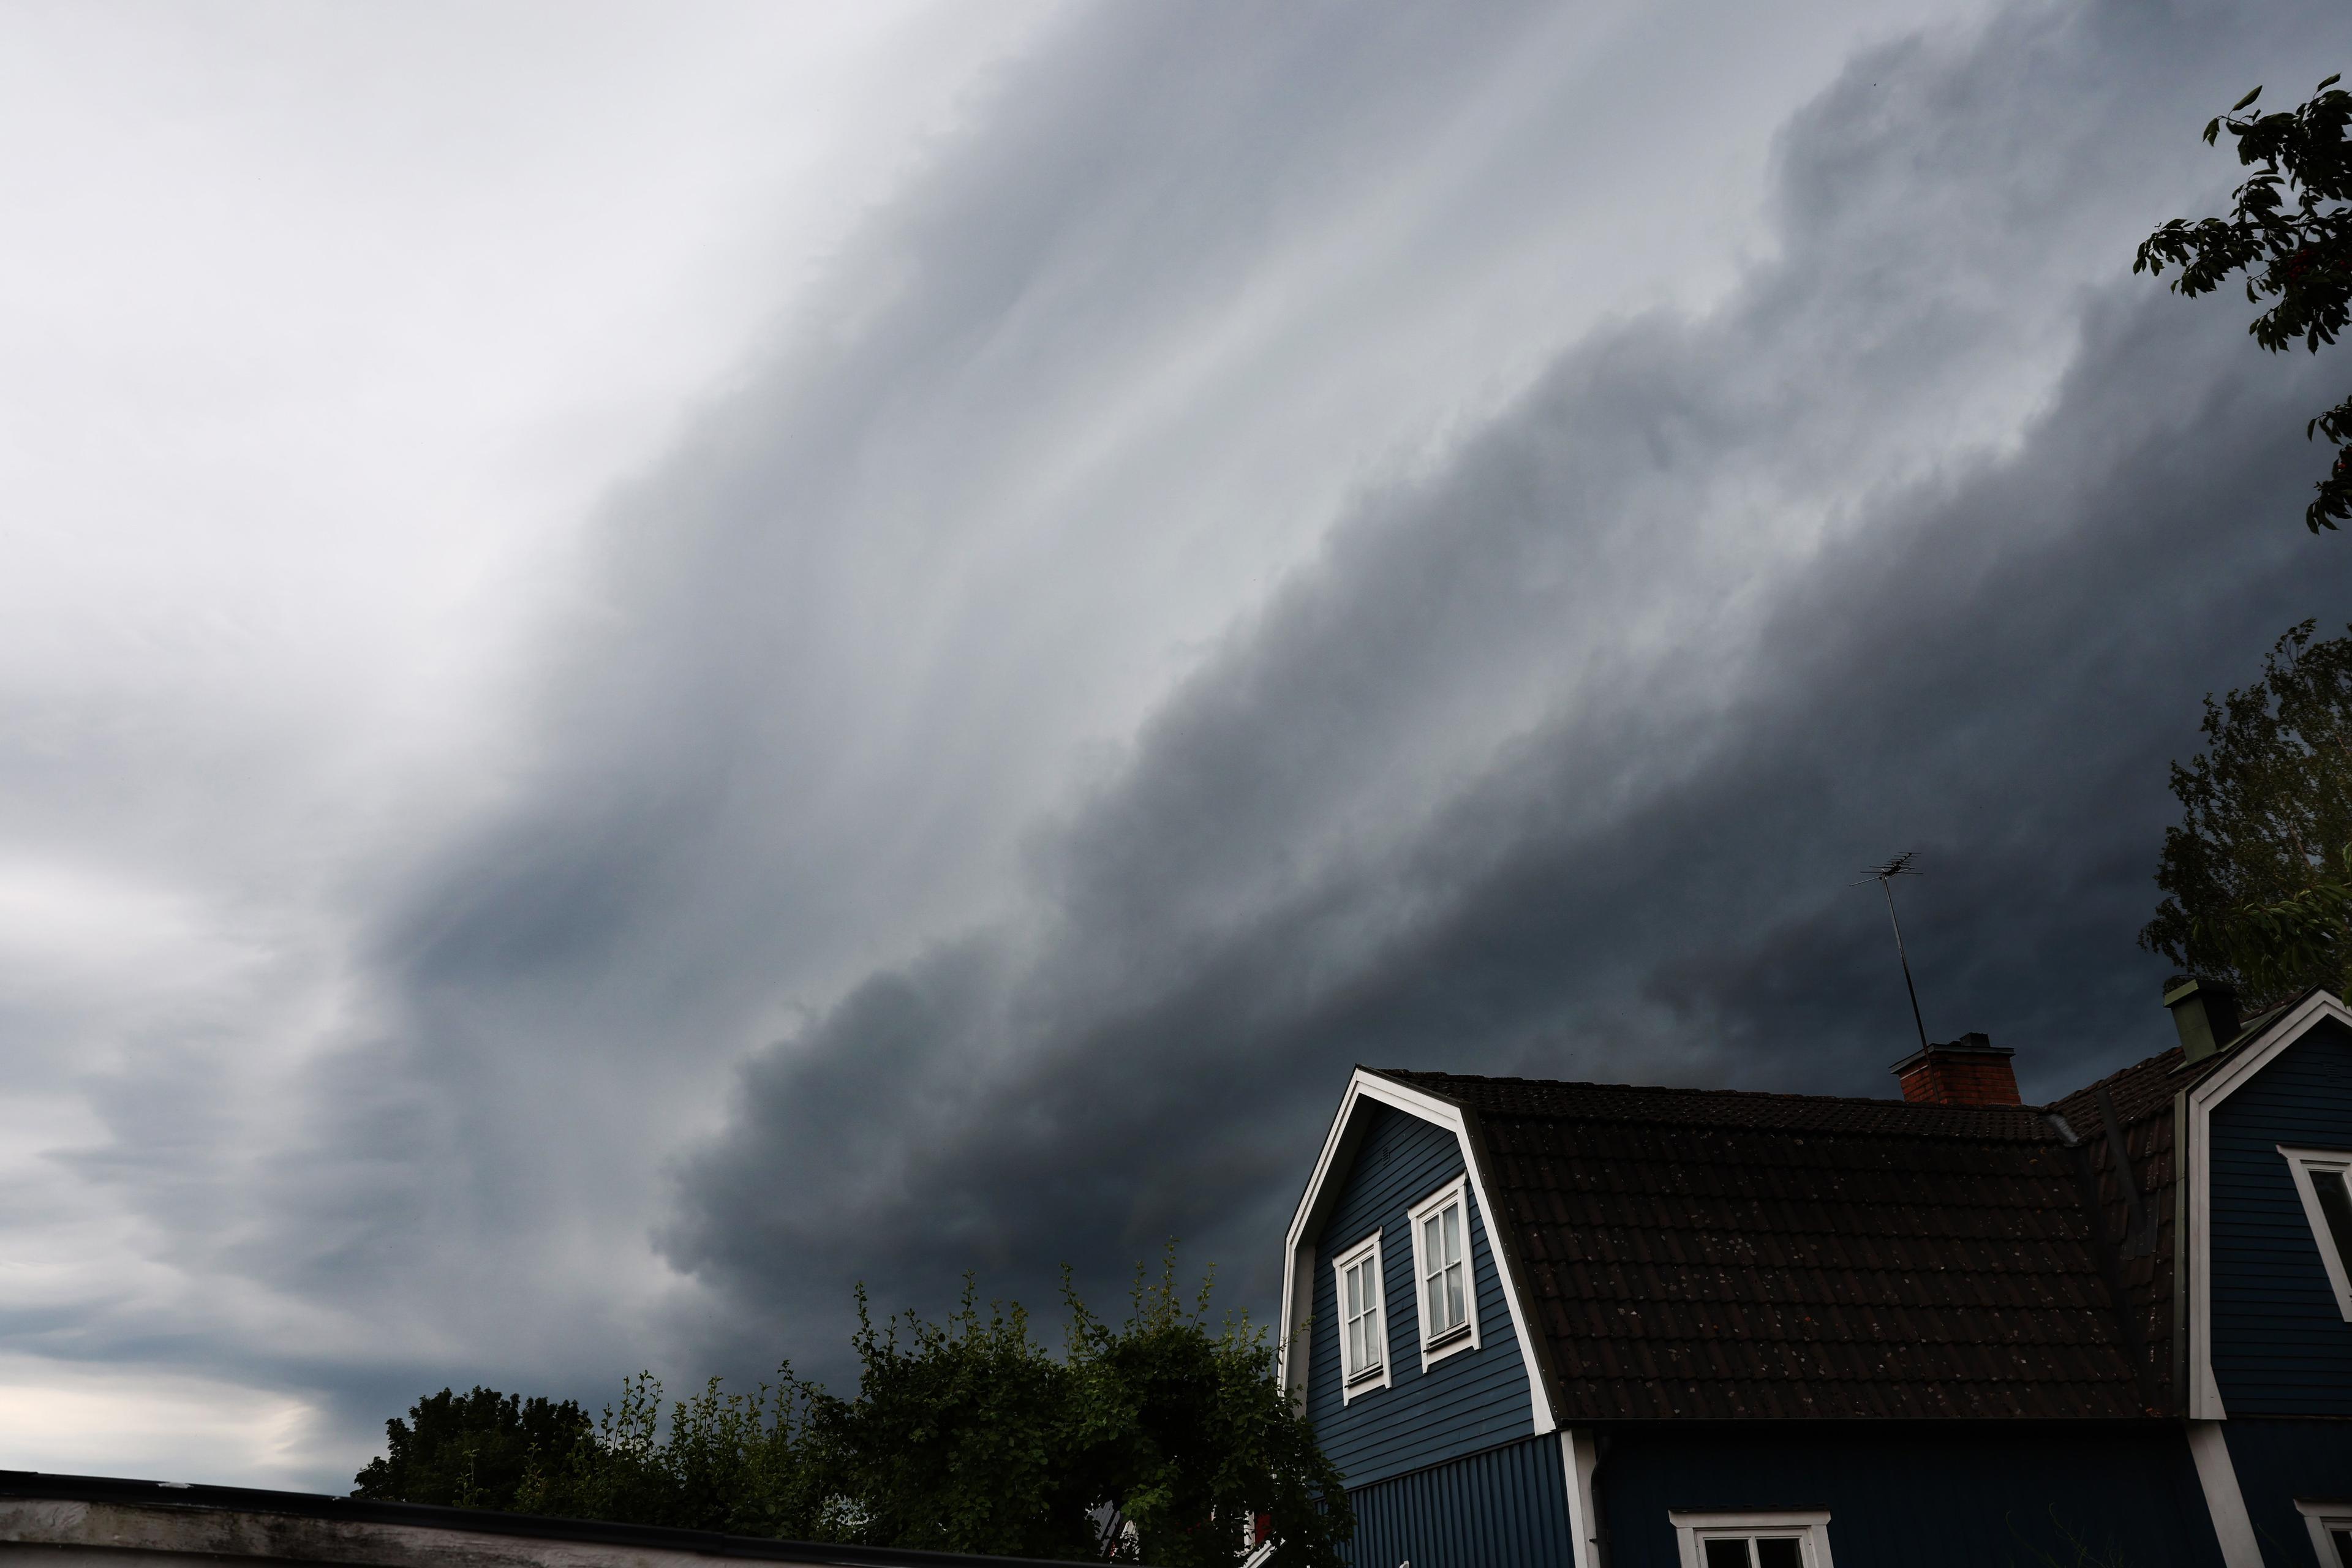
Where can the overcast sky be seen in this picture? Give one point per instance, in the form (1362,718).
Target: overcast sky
(654,658)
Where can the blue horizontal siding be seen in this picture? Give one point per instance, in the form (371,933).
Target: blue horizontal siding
(2279,1461)
(2281,1346)
(1472,1400)
(1978,1495)
(1506,1506)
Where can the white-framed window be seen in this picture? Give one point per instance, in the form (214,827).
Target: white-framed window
(2324,1178)
(1445,1288)
(2330,1524)
(1363,1319)
(1768,1537)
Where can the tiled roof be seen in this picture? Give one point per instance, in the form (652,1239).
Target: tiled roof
(2142,1097)
(1712,1255)
(1634,1104)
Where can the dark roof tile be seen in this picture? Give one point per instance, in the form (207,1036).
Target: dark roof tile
(1713,1254)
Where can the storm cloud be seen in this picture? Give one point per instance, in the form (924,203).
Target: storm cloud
(1561,758)
(1266,539)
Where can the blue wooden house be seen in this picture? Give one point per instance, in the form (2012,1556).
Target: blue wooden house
(1565,1325)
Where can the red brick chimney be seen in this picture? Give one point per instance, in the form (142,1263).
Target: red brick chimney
(1971,1070)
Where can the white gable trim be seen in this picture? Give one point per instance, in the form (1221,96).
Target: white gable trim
(1338,1147)
(2233,1527)
(2204,1394)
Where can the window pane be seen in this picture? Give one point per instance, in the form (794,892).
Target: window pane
(2336,1203)
(1726,1554)
(1355,1292)
(1375,1346)
(1432,1259)
(1452,1217)
(2343,1539)
(1778,1551)
(1433,1304)
(1455,1311)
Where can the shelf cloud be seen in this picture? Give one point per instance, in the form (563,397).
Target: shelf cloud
(1266,541)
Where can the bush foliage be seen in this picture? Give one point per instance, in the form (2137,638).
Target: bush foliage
(1160,1439)
(479,1450)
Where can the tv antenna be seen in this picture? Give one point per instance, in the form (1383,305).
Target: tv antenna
(1884,875)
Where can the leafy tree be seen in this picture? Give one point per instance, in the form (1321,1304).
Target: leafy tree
(959,1439)
(471,1451)
(742,1464)
(1164,1436)
(2258,876)
(1190,1435)
(2290,232)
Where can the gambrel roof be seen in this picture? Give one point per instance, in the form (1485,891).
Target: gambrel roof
(1709,1253)
(1713,1254)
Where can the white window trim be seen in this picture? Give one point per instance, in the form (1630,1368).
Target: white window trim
(1810,1525)
(1350,1387)
(2320,1518)
(1456,1191)
(2301,1162)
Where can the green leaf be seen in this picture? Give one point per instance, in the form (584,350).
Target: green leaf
(2212,130)
(2258,874)
(2245,100)
(2331,81)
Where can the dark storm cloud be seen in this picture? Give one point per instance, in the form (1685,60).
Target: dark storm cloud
(1228,570)
(836,645)
(1555,757)
(1562,759)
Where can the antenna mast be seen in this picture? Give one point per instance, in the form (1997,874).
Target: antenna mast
(1885,875)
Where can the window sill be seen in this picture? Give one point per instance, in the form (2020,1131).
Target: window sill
(1452,1343)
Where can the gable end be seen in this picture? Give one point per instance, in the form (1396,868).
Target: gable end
(1368,1089)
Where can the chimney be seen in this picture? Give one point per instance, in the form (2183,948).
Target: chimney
(2205,1012)
(1971,1070)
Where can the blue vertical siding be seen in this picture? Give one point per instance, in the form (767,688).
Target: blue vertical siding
(1471,1401)
(1505,1506)
(2281,1346)
(1972,1495)
(2279,1461)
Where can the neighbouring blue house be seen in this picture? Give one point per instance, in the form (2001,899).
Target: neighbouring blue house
(1565,1325)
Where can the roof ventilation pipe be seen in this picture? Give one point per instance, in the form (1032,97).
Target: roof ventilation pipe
(2205,1012)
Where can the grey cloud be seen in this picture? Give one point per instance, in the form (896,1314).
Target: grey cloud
(837,649)
(918,864)
(1562,760)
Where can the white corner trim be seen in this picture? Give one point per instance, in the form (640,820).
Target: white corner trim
(1352,1387)
(2301,1164)
(2204,1393)
(1579,1457)
(1297,1281)
(1454,1191)
(2226,1505)
(2319,1518)
(1811,1526)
